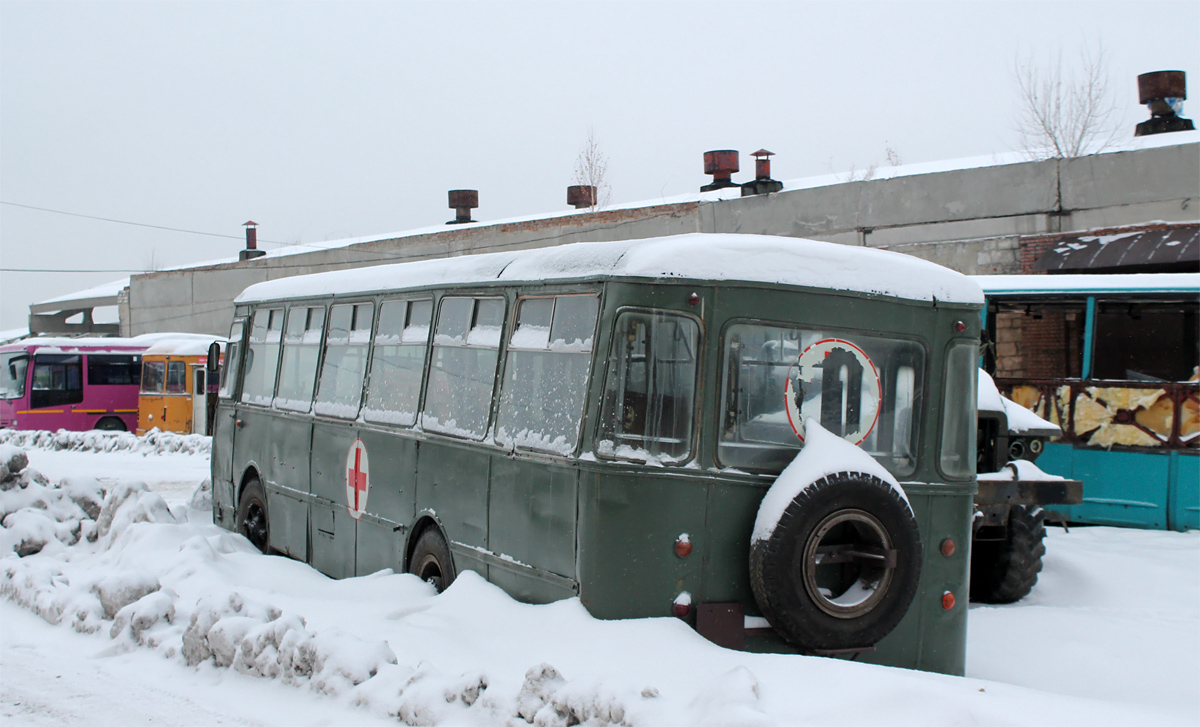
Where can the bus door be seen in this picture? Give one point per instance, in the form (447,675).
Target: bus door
(56,389)
(199,412)
(290,431)
(532,502)
(224,467)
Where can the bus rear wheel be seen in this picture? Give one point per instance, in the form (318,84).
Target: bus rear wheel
(842,566)
(431,561)
(111,424)
(252,516)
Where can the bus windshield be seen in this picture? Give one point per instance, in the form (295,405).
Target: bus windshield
(12,375)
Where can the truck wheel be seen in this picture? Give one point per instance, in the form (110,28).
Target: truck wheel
(841,567)
(1005,571)
(431,561)
(252,516)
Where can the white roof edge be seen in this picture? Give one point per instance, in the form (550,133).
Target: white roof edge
(705,256)
(881,173)
(1089,283)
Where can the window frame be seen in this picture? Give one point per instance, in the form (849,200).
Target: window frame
(502,374)
(323,356)
(920,414)
(484,435)
(408,302)
(697,384)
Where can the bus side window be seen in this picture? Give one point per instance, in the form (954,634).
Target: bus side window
(262,358)
(57,380)
(462,372)
(340,389)
(398,362)
(650,395)
(546,373)
(298,366)
(233,359)
(113,370)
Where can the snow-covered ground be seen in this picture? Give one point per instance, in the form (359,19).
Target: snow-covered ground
(163,618)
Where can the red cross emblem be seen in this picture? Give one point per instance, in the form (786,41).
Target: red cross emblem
(356,479)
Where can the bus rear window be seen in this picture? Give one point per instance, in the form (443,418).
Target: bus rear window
(649,406)
(864,388)
(12,375)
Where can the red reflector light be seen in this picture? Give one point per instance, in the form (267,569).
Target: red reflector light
(683,546)
(681,610)
(694,299)
(959,326)
(948,547)
(947,600)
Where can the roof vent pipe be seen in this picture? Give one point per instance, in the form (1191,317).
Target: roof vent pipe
(720,164)
(1163,92)
(581,195)
(762,184)
(251,250)
(463,201)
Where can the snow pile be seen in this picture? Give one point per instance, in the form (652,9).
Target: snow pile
(122,564)
(824,454)
(152,442)
(1020,420)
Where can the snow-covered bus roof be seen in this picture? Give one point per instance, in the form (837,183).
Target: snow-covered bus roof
(184,344)
(1000,285)
(137,344)
(751,258)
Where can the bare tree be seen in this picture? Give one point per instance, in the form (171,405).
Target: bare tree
(591,169)
(1065,113)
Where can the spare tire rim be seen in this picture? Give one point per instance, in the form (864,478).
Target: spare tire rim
(848,563)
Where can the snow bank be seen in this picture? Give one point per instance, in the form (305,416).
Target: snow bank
(134,575)
(824,454)
(153,442)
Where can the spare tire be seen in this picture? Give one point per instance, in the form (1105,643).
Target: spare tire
(842,565)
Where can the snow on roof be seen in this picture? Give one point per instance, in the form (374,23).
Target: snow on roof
(107,290)
(50,344)
(1078,284)
(184,344)
(753,258)
(729,193)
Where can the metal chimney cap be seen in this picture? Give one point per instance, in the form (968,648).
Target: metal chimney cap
(250,223)
(1161,84)
(762,153)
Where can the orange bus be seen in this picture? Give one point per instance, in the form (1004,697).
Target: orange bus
(174,385)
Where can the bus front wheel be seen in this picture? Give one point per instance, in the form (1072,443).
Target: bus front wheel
(431,561)
(252,516)
(842,565)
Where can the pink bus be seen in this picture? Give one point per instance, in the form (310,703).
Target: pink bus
(71,383)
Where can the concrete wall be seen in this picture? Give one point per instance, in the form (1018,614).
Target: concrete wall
(969,220)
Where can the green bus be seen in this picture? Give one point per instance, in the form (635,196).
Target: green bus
(603,420)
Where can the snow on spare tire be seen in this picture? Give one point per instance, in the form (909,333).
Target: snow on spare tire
(835,556)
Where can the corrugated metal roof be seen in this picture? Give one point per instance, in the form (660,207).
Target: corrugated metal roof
(1173,247)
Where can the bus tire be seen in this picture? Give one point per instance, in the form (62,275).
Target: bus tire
(111,424)
(252,518)
(826,608)
(1005,571)
(431,559)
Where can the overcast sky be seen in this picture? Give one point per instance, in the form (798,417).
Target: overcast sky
(330,120)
